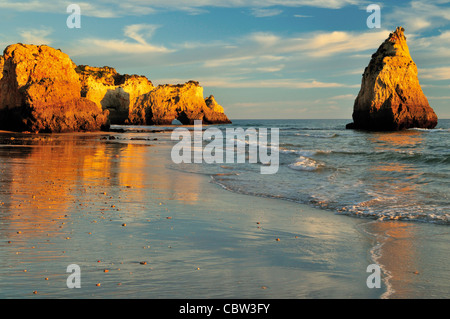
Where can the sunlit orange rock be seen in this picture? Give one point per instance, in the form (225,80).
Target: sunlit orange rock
(391,97)
(40,92)
(112,91)
(183,102)
(2,62)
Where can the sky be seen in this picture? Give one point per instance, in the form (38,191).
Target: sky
(265,59)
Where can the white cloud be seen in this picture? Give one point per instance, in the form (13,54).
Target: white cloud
(140,33)
(36,36)
(419,15)
(331,43)
(344,97)
(441,73)
(318,44)
(235,61)
(264,13)
(102,46)
(270,83)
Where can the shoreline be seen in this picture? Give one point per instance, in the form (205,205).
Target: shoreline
(396,267)
(199,241)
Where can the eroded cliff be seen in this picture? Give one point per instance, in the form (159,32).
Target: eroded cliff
(112,91)
(183,102)
(40,92)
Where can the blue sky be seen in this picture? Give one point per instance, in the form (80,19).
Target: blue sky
(260,59)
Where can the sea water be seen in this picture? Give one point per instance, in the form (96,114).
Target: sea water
(401,175)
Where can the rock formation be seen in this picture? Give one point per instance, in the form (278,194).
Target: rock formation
(183,102)
(2,62)
(112,91)
(213,105)
(391,97)
(40,92)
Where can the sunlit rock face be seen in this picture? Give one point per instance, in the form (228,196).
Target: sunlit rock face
(183,102)
(213,105)
(112,91)
(391,97)
(2,63)
(40,92)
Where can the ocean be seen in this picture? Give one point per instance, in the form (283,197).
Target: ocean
(380,175)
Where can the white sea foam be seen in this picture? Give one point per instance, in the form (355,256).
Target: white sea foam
(305,153)
(304,164)
(430,129)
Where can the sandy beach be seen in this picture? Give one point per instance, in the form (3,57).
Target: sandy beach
(140,230)
(137,229)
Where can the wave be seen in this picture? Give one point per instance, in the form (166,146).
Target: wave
(430,130)
(305,153)
(333,135)
(305,164)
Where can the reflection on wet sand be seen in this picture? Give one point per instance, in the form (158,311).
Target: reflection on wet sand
(40,188)
(46,179)
(399,255)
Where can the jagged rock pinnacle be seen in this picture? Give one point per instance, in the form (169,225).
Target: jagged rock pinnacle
(391,97)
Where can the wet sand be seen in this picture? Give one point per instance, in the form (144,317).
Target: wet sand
(137,229)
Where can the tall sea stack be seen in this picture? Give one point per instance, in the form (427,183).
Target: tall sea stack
(391,98)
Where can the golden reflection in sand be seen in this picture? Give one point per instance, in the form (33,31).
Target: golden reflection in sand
(41,185)
(96,166)
(399,254)
(56,178)
(132,161)
(137,170)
